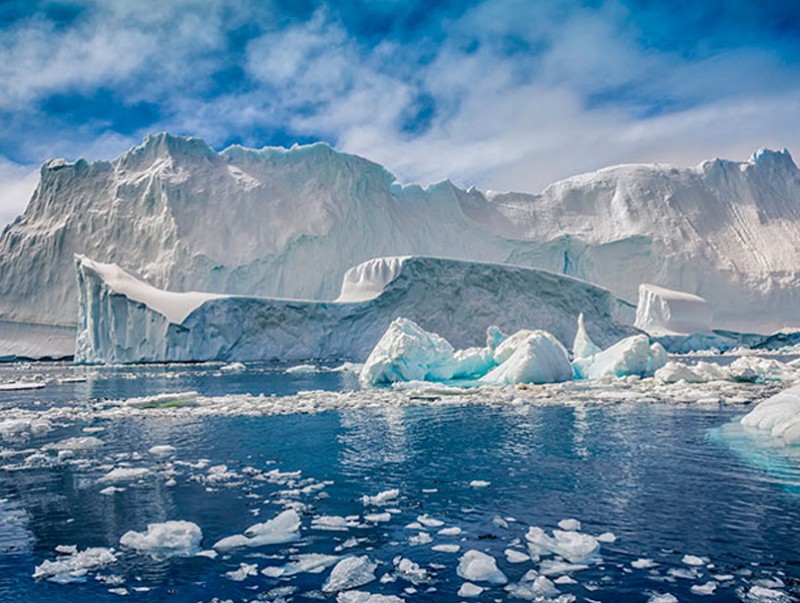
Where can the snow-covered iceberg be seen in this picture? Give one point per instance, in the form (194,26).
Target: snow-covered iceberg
(290,222)
(662,311)
(122,318)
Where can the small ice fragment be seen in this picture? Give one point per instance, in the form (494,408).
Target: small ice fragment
(662,598)
(74,567)
(643,563)
(350,573)
(420,538)
(469,590)
(245,570)
(125,474)
(410,571)
(377,517)
(479,483)
(66,549)
(360,596)
(162,451)
(233,367)
(513,556)
(570,525)
(382,498)
(163,540)
(476,566)
(607,537)
(565,579)
(693,560)
(704,589)
(551,567)
(429,522)
(446,548)
(451,531)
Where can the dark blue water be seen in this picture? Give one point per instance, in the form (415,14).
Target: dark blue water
(667,481)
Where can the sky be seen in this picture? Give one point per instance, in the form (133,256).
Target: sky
(501,94)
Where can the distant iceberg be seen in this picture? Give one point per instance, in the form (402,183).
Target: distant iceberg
(122,318)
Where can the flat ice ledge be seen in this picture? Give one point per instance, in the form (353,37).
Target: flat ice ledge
(125,319)
(663,311)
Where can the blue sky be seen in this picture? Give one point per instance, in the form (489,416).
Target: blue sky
(503,94)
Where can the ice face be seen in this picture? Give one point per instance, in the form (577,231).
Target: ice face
(665,311)
(124,319)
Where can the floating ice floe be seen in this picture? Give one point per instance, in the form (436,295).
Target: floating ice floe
(309,563)
(575,547)
(360,596)
(382,498)
(476,566)
(350,573)
(162,540)
(21,385)
(233,367)
(170,400)
(284,528)
(74,565)
(779,415)
(125,474)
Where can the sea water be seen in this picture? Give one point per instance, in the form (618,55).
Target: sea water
(684,500)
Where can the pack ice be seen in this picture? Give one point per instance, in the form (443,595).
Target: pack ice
(289,223)
(125,319)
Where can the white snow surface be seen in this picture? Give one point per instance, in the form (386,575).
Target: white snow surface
(779,415)
(530,357)
(440,295)
(662,311)
(290,223)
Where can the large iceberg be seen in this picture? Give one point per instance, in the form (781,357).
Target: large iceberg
(125,319)
(289,223)
(663,311)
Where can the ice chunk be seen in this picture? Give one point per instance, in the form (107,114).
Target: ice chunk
(233,367)
(163,451)
(530,357)
(479,483)
(469,590)
(477,566)
(245,570)
(570,525)
(446,548)
(310,563)
(285,527)
(513,556)
(693,560)
(75,565)
(631,356)
(583,346)
(359,596)
(707,588)
(572,546)
(382,498)
(350,573)
(125,474)
(168,539)
(406,352)
(662,598)
(540,589)
(429,522)
(410,571)
(779,415)
(672,372)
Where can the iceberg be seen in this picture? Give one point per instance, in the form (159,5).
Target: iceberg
(631,356)
(476,566)
(288,223)
(125,319)
(663,311)
(778,415)
(582,345)
(530,357)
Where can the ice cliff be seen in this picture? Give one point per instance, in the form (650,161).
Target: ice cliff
(125,319)
(289,223)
